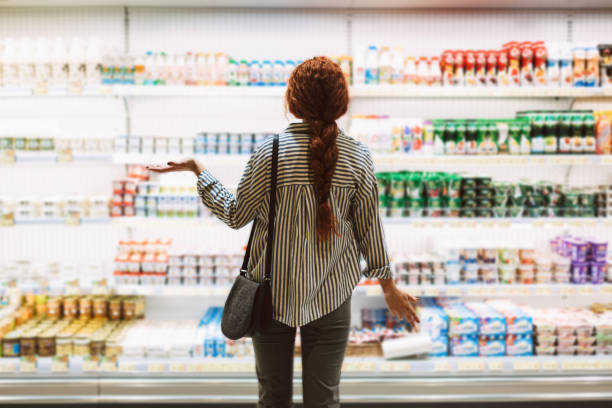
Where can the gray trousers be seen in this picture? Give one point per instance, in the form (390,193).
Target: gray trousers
(323,345)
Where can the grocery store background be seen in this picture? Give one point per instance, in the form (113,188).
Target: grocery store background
(92,90)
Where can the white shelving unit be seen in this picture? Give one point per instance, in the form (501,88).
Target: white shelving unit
(135,26)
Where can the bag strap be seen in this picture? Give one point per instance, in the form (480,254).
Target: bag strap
(271,217)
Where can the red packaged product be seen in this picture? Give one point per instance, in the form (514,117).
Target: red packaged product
(470,68)
(502,68)
(540,57)
(526,63)
(459,65)
(481,67)
(492,67)
(448,68)
(514,62)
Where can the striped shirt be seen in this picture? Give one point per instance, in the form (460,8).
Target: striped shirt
(310,278)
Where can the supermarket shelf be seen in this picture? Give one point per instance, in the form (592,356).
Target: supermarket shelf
(473,290)
(46,158)
(364,91)
(398,161)
(492,290)
(364,380)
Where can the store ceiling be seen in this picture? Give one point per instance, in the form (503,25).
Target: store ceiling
(556,4)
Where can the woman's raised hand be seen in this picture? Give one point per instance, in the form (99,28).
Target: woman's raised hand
(179,165)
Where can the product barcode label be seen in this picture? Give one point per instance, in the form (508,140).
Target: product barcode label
(442,366)
(526,365)
(156,367)
(124,367)
(550,365)
(177,367)
(396,366)
(495,365)
(470,365)
(27,364)
(59,364)
(90,366)
(7,367)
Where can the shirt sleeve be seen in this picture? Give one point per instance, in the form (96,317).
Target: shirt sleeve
(238,210)
(368,225)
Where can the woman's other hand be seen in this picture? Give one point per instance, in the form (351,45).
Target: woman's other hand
(400,304)
(179,165)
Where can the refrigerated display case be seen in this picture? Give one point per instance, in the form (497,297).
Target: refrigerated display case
(83,222)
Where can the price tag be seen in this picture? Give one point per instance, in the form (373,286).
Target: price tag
(108,365)
(550,365)
(418,224)
(27,364)
(591,365)
(125,367)
(475,291)
(396,366)
(606,289)
(440,366)
(522,291)
(7,367)
(526,365)
(538,223)
(431,292)
(585,290)
(64,156)
(567,291)
(177,368)
(193,368)
(350,366)
(505,291)
(156,368)
(413,290)
(543,291)
(605,365)
(569,365)
(7,157)
(90,365)
(487,224)
(72,219)
(373,291)
(59,364)
(436,224)
(605,160)
(453,291)
(469,365)
(495,365)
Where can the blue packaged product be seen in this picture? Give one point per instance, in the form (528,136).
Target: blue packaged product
(519,345)
(492,346)
(462,321)
(490,321)
(434,321)
(464,346)
(439,346)
(517,320)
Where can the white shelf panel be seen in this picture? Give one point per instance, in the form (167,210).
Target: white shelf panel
(314,3)
(353,366)
(232,160)
(355,92)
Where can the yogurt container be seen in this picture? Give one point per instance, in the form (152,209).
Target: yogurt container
(526,274)
(507,273)
(598,250)
(597,272)
(579,272)
(578,250)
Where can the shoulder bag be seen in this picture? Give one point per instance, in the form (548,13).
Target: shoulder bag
(248,308)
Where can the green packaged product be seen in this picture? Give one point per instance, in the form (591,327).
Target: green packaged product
(468,182)
(514,137)
(571,211)
(514,211)
(414,185)
(46,144)
(461,144)
(482,182)
(469,203)
(485,203)
(550,134)
(434,207)
(33,144)
(484,213)
(416,206)
(487,138)
(396,207)
(500,212)
(577,134)
(398,187)
(454,203)
(469,193)
(471,138)
(485,192)
(383,182)
(587,212)
(438,136)
(538,120)
(588,121)
(454,186)
(434,185)
(500,200)
(6,143)
(526,138)
(571,199)
(450,138)
(564,144)
(467,213)
(503,131)
(20,143)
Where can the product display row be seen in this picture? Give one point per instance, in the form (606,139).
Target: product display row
(517,64)
(531,132)
(568,259)
(54,208)
(422,194)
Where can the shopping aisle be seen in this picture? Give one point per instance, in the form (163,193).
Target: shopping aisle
(491,135)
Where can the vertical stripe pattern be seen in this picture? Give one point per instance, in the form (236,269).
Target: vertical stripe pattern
(310,278)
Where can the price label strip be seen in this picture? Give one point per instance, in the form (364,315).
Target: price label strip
(59,364)
(28,364)
(470,366)
(7,367)
(90,365)
(526,365)
(177,368)
(495,365)
(156,368)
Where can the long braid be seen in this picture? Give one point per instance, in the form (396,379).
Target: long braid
(317,93)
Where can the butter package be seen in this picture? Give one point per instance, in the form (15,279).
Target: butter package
(490,321)
(492,346)
(519,345)
(464,346)
(517,320)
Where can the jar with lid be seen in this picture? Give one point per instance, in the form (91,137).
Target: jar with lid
(54,308)
(100,307)
(71,308)
(81,346)
(46,344)
(129,309)
(63,345)
(85,307)
(11,344)
(114,309)
(27,343)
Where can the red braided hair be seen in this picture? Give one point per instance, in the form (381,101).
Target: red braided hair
(317,94)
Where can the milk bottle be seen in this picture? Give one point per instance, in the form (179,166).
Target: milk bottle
(371,64)
(397,66)
(59,60)
(384,69)
(93,61)
(42,61)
